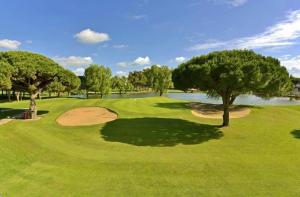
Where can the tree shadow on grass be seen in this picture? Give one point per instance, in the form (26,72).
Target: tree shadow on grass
(17,113)
(216,107)
(296,133)
(159,132)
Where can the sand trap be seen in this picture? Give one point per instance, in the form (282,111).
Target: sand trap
(86,116)
(216,111)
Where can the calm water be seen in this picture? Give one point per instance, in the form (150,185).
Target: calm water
(201,97)
(241,100)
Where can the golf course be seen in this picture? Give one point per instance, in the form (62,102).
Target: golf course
(156,147)
(144,98)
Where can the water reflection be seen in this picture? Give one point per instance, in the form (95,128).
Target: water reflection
(202,97)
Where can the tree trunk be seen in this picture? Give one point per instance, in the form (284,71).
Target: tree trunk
(101,95)
(226,105)
(18,96)
(232,99)
(8,95)
(58,94)
(161,93)
(87,94)
(32,106)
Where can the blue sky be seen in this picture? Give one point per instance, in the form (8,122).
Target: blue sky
(131,35)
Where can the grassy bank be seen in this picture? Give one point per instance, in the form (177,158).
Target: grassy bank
(155,148)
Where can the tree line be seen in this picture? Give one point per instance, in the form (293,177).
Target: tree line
(98,79)
(225,74)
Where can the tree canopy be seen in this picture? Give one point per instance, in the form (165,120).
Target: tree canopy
(121,84)
(137,79)
(31,73)
(159,78)
(233,72)
(6,72)
(98,79)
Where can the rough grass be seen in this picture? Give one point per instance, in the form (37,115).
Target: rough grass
(155,148)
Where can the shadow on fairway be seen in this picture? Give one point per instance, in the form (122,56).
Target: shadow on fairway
(10,112)
(296,133)
(158,132)
(217,107)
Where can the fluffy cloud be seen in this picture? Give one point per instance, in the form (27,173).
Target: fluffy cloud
(180,60)
(292,63)
(142,61)
(79,71)
(9,44)
(74,61)
(138,61)
(89,36)
(121,73)
(281,34)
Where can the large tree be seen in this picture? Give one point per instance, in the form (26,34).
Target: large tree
(98,79)
(121,84)
(137,79)
(230,73)
(159,78)
(6,72)
(32,73)
(57,87)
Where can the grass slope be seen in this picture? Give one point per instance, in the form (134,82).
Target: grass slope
(155,148)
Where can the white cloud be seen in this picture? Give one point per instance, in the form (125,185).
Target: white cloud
(28,41)
(180,60)
(121,73)
(74,61)
(89,36)
(236,3)
(292,63)
(233,3)
(9,44)
(79,71)
(281,34)
(119,46)
(123,64)
(140,61)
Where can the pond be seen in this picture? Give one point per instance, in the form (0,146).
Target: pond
(202,97)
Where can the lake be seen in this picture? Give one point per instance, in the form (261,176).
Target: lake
(202,97)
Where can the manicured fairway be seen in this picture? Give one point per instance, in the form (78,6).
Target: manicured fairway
(155,148)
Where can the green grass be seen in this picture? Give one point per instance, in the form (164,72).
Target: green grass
(155,148)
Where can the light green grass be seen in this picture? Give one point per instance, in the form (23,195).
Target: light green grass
(155,148)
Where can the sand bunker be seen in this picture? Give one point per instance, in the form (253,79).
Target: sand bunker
(86,116)
(216,111)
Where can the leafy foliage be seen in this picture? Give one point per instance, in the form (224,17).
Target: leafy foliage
(231,73)
(159,78)
(121,84)
(6,72)
(137,79)
(98,79)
